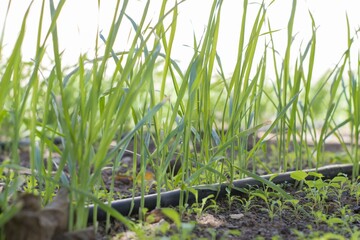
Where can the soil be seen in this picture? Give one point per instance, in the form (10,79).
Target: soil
(238,221)
(239,218)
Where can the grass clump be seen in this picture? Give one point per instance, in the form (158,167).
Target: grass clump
(194,116)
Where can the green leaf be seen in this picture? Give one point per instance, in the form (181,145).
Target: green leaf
(260,195)
(173,215)
(339,179)
(335,220)
(299,175)
(315,174)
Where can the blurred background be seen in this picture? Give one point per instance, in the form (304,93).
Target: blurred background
(81,20)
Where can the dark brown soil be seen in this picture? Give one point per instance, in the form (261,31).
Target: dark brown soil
(234,220)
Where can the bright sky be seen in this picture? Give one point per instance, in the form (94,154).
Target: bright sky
(80,19)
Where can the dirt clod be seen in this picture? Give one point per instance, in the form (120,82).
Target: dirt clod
(49,223)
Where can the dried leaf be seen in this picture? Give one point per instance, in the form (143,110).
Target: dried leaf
(154,216)
(209,219)
(58,211)
(34,223)
(125,179)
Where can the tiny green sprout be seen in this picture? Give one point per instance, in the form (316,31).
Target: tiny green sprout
(213,206)
(233,232)
(332,236)
(200,208)
(339,185)
(246,203)
(345,211)
(334,220)
(279,205)
(31,185)
(339,181)
(260,194)
(294,204)
(317,184)
(102,194)
(319,217)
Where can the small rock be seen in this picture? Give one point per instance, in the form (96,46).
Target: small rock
(236,216)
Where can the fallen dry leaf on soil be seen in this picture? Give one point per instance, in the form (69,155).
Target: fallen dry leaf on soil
(34,223)
(209,219)
(154,216)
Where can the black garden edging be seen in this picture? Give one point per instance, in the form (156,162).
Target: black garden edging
(171,198)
